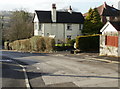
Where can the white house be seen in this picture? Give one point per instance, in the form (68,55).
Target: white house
(110,39)
(58,24)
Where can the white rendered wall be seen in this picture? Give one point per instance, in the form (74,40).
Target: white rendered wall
(36,25)
(109,29)
(60,30)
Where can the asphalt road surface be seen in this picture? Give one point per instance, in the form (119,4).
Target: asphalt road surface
(58,70)
(12,74)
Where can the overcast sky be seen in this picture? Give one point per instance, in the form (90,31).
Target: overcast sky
(31,5)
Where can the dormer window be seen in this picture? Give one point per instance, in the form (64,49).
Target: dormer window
(108,18)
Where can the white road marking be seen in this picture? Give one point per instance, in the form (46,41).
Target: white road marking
(25,74)
(5,60)
(105,60)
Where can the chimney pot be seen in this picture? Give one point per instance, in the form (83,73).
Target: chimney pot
(53,13)
(54,6)
(70,10)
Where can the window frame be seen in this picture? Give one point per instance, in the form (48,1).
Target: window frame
(69,36)
(40,27)
(69,26)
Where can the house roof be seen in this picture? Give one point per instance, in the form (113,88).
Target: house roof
(62,17)
(106,10)
(116,25)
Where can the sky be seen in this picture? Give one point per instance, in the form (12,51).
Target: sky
(31,5)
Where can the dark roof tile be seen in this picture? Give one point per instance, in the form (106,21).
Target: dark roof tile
(62,17)
(116,25)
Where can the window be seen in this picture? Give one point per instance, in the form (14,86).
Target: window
(40,27)
(47,34)
(80,26)
(69,36)
(35,26)
(108,18)
(69,26)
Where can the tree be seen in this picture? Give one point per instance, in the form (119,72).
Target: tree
(21,26)
(92,24)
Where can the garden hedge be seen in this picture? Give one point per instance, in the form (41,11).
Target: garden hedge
(88,43)
(36,43)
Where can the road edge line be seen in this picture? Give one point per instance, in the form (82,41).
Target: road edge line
(27,83)
(26,77)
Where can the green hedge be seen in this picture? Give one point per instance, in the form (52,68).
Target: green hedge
(88,43)
(36,43)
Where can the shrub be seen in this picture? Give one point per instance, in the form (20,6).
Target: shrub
(40,44)
(16,45)
(88,43)
(25,45)
(36,43)
(33,42)
(6,45)
(50,43)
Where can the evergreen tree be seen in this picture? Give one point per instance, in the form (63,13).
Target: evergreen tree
(92,24)
(90,14)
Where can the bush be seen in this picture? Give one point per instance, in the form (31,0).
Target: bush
(36,43)
(25,45)
(6,45)
(88,43)
(63,47)
(49,44)
(33,42)
(70,41)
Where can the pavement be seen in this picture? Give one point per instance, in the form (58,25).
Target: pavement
(91,56)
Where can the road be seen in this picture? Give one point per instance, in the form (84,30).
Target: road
(56,70)
(12,74)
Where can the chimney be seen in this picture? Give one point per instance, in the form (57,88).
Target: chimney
(119,5)
(70,10)
(53,13)
(105,5)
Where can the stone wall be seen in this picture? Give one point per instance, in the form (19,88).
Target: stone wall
(108,50)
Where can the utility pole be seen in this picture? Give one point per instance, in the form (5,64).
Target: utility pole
(1,29)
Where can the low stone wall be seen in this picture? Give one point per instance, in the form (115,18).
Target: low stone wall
(107,50)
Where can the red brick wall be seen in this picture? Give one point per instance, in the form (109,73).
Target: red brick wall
(112,41)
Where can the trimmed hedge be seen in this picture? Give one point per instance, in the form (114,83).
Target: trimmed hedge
(6,45)
(63,47)
(88,43)
(36,43)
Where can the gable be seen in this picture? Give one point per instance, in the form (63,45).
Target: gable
(36,18)
(108,27)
